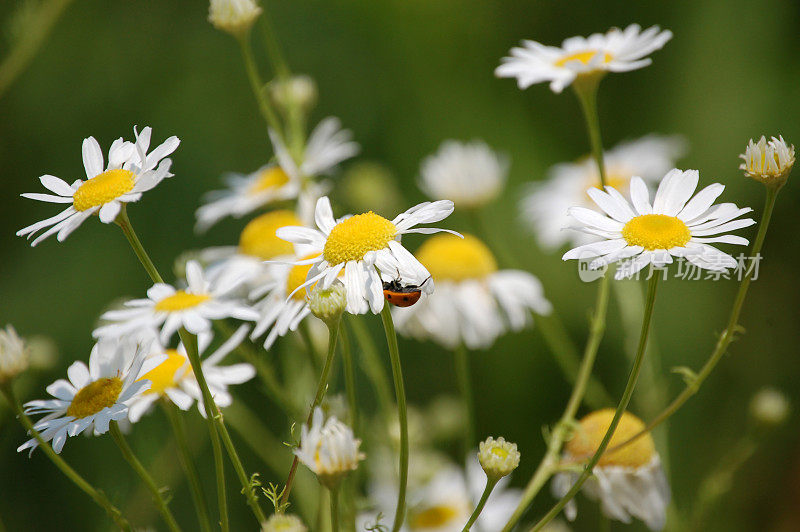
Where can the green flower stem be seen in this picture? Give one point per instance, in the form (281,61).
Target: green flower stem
(463,374)
(586,90)
(399,389)
(133,239)
(257,85)
(334,496)
(371,364)
(490,484)
(187,461)
(274,52)
(140,470)
(333,333)
(623,404)
(97,496)
(350,379)
(728,335)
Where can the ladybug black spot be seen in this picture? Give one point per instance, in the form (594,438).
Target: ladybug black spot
(405,298)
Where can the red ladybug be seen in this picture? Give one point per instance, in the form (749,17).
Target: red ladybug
(401,295)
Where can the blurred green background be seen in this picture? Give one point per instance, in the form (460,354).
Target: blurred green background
(405,75)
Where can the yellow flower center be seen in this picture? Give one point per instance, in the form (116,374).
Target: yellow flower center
(433,517)
(94,397)
(103,188)
(181,300)
(500,452)
(272,177)
(656,231)
(352,238)
(258,238)
(593,427)
(583,57)
(451,258)
(297,276)
(165,375)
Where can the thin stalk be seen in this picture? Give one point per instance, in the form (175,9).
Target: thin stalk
(333,333)
(490,484)
(463,374)
(274,52)
(187,461)
(133,239)
(727,336)
(140,470)
(350,379)
(257,85)
(334,492)
(586,91)
(97,496)
(400,392)
(623,404)
(371,363)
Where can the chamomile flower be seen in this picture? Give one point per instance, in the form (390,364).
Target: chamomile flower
(245,194)
(94,395)
(769,162)
(174,379)
(328,448)
(544,205)
(474,302)
(470,174)
(615,51)
(327,146)
(14,354)
(366,248)
(628,482)
(675,225)
(169,309)
(233,16)
(131,171)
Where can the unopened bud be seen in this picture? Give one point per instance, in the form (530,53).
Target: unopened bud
(498,457)
(328,304)
(298,91)
(769,407)
(233,16)
(768,162)
(283,523)
(13,355)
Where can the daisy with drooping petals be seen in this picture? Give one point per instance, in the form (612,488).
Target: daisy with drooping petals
(474,302)
(94,396)
(544,206)
(174,379)
(327,146)
(675,225)
(470,174)
(131,171)
(328,448)
(169,309)
(366,248)
(615,51)
(768,162)
(628,482)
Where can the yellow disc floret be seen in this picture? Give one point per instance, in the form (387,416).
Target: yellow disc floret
(269,178)
(434,517)
(181,300)
(258,238)
(165,375)
(452,258)
(102,189)
(593,427)
(352,238)
(297,276)
(656,231)
(94,397)
(583,57)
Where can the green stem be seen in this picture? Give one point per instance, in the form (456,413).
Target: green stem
(586,90)
(125,224)
(461,359)
(623,404)
(399,388)
(727,336)
(140,470)
(187,461)
(490,484)
(97,496)
(334,509)
(333,333)
(350,379)
(372,365)
(273,48)
(257,85)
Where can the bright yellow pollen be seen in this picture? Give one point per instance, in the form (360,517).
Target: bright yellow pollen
(165,375)
(258,238)
(656,231)
(181,300)
(593,427)
(103,188)
(352,238)
(451,258)
(94,397)
(583,57)
(297,276)
(272,177)
(500,452)
(433,517)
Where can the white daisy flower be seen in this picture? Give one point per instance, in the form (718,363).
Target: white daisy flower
(768,162)
(14,354)
(628,482)
(615,51)
(131,171)
(675,225)
(174,379)
(327,146)
(94,395)
(328,448)
(245,194)
(474,302)
(169,309)
(544,205)
(470,175)
(366,248)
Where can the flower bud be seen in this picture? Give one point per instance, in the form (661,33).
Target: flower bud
(297,91)
(769,407)
(328,304)
(13,355)
(283,523)
(233,16)
(498,457)
(768,162)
